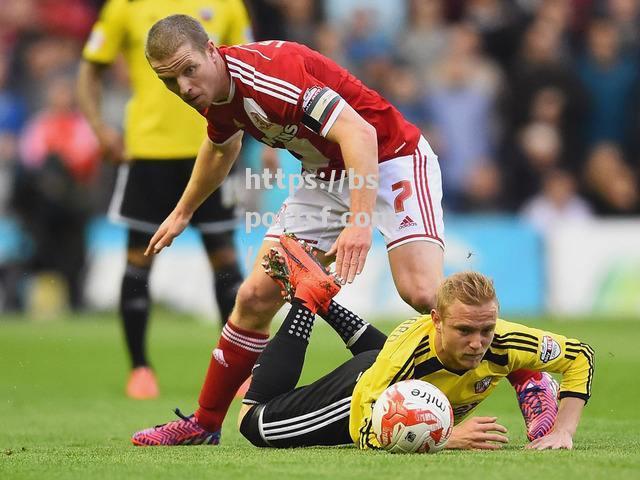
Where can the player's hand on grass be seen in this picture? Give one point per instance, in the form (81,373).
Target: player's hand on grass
(478,433)
(350,249)
(173,226)
(554,440)
(111,145)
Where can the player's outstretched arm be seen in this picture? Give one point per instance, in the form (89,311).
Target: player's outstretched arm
(561,435)
(478,433)
(359,146)
(212,166)
(89,92)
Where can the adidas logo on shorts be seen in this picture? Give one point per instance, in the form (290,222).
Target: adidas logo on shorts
(406,222)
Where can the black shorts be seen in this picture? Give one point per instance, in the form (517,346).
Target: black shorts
(317,414)
(146,191)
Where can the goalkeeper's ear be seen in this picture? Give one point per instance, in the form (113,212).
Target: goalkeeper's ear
(437,320)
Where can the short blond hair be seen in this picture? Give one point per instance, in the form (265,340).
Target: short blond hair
(471,288)
(166,36)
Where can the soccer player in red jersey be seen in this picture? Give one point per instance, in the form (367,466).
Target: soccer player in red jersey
(288,96)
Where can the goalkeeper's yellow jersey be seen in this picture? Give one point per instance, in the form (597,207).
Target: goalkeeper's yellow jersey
(410,353)
(158,125)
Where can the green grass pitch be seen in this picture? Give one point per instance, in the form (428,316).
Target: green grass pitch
(63,413)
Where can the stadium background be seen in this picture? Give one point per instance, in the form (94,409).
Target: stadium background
(532,106)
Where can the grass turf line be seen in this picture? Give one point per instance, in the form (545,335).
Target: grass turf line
(63,413)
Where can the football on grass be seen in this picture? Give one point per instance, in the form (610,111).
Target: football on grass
(412,416)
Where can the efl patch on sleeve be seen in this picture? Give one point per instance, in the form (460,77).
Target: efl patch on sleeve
(549,349)
(321,106)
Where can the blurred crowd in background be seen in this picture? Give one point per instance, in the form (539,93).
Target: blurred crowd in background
(531,105)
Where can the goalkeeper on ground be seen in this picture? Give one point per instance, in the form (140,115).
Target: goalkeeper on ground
(461,347)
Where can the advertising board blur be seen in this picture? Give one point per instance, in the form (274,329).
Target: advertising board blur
(594,268)
(501,247)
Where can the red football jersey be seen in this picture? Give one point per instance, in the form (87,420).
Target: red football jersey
(288,96)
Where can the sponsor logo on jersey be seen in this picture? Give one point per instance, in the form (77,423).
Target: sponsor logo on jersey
(259,118)
(273,133)
(402,328)
(259,121)
(407,222)
(287,134)
(219,356)
(549,349)
(482,385)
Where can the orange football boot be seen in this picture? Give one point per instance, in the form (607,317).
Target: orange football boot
(300,274)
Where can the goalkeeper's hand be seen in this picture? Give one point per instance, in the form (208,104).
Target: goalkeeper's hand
(478,433)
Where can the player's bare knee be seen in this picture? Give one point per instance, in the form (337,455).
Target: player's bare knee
(254,299)
(254,306)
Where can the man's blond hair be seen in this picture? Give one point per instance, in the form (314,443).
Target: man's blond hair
(471,288)
(169,34)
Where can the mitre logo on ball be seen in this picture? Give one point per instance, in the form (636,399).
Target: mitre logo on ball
(412,416)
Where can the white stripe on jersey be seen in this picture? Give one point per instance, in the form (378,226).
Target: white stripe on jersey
(252,78)
(264,90)
(269,78)
(252,50)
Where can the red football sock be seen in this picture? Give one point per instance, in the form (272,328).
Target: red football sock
(230,365)
(521,376)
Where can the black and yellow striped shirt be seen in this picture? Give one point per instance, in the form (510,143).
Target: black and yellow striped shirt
(410,353)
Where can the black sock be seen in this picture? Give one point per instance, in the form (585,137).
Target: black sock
(279,366)
(134,310)
(359,336)
(227,281)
